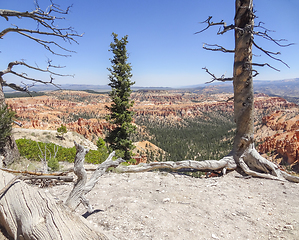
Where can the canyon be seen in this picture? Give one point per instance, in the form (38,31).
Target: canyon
(283,137)
(277,120)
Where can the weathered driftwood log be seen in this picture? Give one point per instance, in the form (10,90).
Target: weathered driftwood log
(60,178)
(227,163)
(27,213)
(28,175)
(251,163)
(34,173)
(82,186)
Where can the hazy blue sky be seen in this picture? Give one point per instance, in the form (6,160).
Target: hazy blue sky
(163,48)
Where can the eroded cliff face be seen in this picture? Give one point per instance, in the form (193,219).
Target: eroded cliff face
(280,135)
(49,112)
(85,113)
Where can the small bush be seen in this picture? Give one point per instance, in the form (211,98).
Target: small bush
(101,143)
(61,131)
(66,154)
(53,164)
(95,157)
(29,149)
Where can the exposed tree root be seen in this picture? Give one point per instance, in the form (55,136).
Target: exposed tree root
(208,165)
(250,162)
(82,186)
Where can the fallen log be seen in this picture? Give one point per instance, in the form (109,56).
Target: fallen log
(35,173)
(61,178)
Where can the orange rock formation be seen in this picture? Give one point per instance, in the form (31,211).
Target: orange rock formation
(285,141)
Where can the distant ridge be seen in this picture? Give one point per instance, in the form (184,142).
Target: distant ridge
(287,88)
(78,87)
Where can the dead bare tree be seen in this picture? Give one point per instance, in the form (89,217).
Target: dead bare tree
(46,34)
(244,158)
(43,157)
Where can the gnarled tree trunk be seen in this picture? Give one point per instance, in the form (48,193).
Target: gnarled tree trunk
(245,155)
(27,213)
(243,81)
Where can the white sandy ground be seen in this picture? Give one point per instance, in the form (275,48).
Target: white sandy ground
(157,205)
(166,206)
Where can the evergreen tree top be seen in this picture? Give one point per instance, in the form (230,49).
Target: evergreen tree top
(120,113)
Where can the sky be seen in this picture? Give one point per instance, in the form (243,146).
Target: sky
(163,49)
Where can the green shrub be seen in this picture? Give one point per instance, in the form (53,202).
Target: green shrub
(53,164)
(66,154)
(61,131)
(121,154)
(101,143)
(96,157)
(29,149)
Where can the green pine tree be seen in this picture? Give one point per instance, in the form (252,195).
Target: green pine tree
(61,131)
(120,113)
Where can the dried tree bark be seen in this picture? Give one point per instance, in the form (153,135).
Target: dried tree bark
(27,213)
(82,186)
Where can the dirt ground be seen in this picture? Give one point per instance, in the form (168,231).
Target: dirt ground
(157,205)
(167,206)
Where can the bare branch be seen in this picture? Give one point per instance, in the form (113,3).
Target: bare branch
(276,41)
(45,19)
(255,73)
(82,186)
(15,87)
(208,21)
(46,44)
(230,99)
(222,78)
(226,29)
(24,75)
(15,63)
(221,23)
(268,37)
(270,54)
(217,48)
(265,64)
